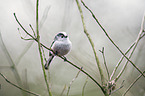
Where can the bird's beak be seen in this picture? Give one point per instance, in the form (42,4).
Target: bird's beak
(66,36)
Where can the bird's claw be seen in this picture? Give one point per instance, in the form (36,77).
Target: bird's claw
(65,59)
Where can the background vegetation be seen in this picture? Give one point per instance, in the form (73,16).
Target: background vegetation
(20,63)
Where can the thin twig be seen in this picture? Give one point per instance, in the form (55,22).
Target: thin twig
(118,88)
(111,39)
(121,59)
(32,30)
(92,44)
(63,90)
(30,43)
(18,86)
(43,54)
(102,51)
(73,81)
(132,84)
(45,61)
(131,53)
(21,35)
(83,90)
(58,55)
(39,48)
(24,28)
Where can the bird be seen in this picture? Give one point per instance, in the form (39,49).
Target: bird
(61,46)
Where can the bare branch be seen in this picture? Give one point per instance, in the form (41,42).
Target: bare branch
(32,30)
(18,86)
(83,90)
(63,90)
(73,81)
(102,51)
(121,59)
(39,48)
(118,88)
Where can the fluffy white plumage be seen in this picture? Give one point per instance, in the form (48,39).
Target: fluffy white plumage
(61,46)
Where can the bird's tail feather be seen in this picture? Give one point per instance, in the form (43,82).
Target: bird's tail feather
(48,62)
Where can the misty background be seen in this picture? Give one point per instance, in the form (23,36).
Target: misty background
(120,18)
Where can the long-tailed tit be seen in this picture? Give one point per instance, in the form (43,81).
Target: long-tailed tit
(61,45)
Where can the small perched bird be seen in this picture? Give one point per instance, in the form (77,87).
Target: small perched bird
(61,45)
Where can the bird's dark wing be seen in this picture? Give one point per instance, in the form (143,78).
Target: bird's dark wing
(50,53)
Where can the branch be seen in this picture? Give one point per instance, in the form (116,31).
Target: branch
(83,90)
(18,86)
(63,90)
(32,30)
(118,88)
(59,56)
(92,44)
(73,81)
(121,59)
(39,48)
(111,39)
(132,84)
(102,51)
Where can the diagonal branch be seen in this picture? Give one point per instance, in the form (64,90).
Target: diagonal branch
(73,81)
(83,90)
(121,59)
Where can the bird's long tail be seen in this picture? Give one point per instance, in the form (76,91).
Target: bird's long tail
(48,62)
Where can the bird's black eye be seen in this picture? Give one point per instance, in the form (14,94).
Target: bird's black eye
(62,36)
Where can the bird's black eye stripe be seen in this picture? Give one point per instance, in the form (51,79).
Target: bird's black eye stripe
(60,34)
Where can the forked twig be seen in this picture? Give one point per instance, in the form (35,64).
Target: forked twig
(118,88)
(102,51)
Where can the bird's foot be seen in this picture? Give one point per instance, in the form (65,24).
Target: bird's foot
(65,59)
(56,53)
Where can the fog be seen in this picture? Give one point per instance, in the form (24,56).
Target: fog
(120,18)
